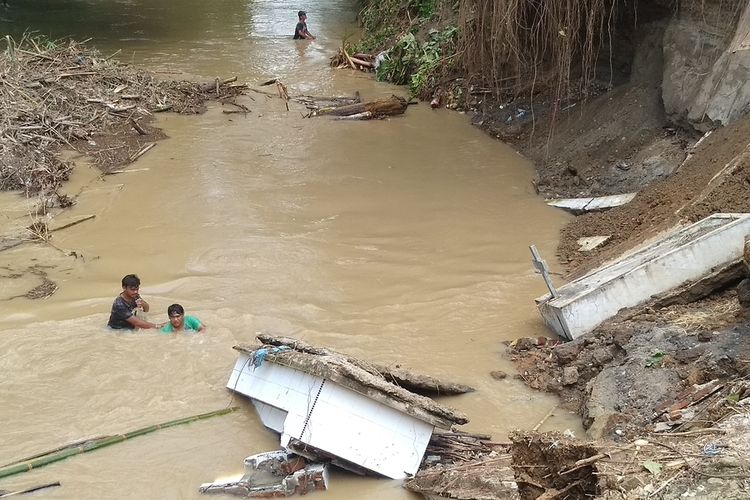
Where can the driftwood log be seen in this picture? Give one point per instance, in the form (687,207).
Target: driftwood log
(390,106)
(359,61)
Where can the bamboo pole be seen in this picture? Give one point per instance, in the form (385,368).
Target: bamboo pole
(79,447)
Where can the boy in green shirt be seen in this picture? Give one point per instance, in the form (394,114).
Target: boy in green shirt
(178,322)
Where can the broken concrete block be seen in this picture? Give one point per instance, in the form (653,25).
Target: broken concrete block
(743,293)
(581,205)
(273,474)
(570,375)
(590,243)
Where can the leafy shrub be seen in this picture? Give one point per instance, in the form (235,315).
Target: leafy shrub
(409,62)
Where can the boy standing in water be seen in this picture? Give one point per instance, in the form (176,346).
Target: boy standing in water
(126,305)
(300,31)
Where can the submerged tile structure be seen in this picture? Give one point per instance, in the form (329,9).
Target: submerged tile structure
(333,408)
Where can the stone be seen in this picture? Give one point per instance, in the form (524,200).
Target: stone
(621,337)
(743,293)
(570,375)
(524,343)
(498,375)
(567,353)
(688,355)
(630,483)
(602,356)
(705,336)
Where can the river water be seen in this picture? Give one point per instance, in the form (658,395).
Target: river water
(402,241)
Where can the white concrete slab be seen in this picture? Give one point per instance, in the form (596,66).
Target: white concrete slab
(592,204)
(683,256)
(367,433)
(588,244)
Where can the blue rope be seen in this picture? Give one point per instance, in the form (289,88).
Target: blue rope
(259,355)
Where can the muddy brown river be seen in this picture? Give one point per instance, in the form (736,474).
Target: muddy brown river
(402,241)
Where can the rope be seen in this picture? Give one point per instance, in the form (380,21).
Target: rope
(259,355)
(256,358)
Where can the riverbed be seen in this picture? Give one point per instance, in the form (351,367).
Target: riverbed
(402,241)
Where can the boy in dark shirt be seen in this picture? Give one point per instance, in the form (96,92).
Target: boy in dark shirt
(300,31)
(123,308)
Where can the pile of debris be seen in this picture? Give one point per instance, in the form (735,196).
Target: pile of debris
(64,94)
(273,474)
(377,109)
(463,465)
(359,61)
(709,463)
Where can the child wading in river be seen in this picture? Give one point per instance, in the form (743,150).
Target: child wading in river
(178,322)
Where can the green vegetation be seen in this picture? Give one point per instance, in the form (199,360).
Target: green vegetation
(513,47)
(655,360)
(415,64)
(413,55)
(40,42)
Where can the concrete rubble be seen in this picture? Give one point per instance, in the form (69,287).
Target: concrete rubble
(273,474)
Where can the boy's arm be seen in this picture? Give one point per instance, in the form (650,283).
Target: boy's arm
(139,323)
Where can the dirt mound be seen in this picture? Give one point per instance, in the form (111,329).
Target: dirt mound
(624,376)
(620,142)
(546,465)
(687,196)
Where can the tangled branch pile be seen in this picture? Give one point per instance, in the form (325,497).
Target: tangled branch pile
(62,94)
(528,45)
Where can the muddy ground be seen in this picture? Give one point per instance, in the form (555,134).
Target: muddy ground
(620,142)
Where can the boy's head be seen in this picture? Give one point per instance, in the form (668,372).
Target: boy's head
(176,315)
(130,285)
(175,310)
(302,15)
(131,281)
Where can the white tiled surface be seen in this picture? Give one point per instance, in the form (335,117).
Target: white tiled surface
(343,422)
